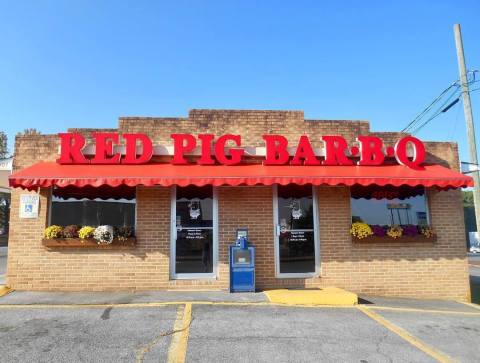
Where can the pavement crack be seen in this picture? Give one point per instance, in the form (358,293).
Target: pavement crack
(378,348)
(142,351)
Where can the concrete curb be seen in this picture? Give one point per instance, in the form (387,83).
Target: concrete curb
(325,296)
(4,290)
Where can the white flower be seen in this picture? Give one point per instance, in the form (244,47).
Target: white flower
(103,234)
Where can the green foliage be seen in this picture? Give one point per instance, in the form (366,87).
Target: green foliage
(27,132)
(3,145)
(467,198)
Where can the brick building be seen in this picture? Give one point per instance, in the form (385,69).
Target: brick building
(185,216)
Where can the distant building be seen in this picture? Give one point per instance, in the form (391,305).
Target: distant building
(5,171)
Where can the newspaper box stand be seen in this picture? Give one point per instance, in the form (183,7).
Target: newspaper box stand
(242,266)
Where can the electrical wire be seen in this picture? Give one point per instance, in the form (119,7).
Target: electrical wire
(443,106)
(416,124)
(429,107)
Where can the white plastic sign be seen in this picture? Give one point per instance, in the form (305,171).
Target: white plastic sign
(29,205)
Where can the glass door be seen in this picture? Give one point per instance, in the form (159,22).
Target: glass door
(296,237)
(194,233)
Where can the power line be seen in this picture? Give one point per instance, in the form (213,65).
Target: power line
(445,106)
(428,108)
(415,125)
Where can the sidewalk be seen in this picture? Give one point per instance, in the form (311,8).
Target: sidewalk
(144,297)
(215,297)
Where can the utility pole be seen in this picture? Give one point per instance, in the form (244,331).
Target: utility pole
(467,109)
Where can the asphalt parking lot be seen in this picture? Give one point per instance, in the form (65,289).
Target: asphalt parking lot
(221,327)
(251,330)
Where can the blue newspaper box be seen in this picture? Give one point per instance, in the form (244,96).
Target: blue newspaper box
(242,266)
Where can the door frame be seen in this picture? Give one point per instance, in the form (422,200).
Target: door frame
(173,239)
(316,238)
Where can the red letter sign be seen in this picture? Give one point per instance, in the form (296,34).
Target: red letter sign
(371,152)
(206,156)
(180,147)
(418,152)
(335,147)
(104,148)
(304,152)
(235,154)
(71,146)
(131,149)
(277,153)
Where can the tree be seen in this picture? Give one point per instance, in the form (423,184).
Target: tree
(27,132)
(467,198)
(3,145)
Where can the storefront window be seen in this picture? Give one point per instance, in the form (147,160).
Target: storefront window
(389,205)
(194,230)
(296,235)
(90,207)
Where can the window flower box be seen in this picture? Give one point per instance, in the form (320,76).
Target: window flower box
(90,243)
(386,239)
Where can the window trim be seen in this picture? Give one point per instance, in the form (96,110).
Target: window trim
(316,239)
(173,238)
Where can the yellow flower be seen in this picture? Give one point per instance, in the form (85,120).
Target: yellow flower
(360,230)
(395,231)
(427,231)
(86,232)
(53,232)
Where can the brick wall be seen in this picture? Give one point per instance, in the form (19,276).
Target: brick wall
(433,270)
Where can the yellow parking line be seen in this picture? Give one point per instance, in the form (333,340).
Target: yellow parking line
(432,352)
(178,347)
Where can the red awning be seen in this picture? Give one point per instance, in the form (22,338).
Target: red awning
(46,174)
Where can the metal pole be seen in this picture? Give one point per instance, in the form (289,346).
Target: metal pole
(467,109)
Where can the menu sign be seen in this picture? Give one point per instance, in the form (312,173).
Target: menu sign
(297,236)
(193,233)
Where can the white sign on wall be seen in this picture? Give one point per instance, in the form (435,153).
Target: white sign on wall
(6,164)
(29,205)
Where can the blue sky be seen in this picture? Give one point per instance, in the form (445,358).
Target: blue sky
(84,63)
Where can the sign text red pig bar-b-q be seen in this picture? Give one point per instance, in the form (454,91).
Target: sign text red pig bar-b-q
(370,150)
